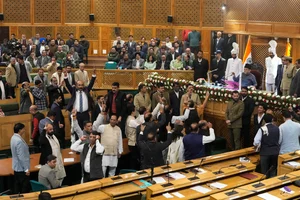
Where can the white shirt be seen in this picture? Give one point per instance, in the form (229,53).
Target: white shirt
(42,48)
(3,90)
(177,93)
(85,102)
(210,138)
(162,65)
(169,45)
(70,78)
(77,146)
(182,117)
(137,64)
(259,118)
(271,67)
(233,65)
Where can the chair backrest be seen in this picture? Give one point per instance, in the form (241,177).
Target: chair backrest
(125,171)
(3,156)
(110,65)
(37,186)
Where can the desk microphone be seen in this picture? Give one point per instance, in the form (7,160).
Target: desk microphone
(294,153)
(240,166)
(75,195)
(196,171)
(151,176)
(233,191)
(167,166)
(220,170)
(167,184)
(4,192)
(260,184)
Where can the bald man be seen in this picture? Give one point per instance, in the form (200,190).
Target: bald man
(81,99)
(36,118)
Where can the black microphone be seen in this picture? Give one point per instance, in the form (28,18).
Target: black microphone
(167,166)
(260,184)
(282,178)
(151,177)
(294,153)
(196,171)
(233,191)
(241,166)
(4,192)
(220,170)
(167,184)
(16,196)
(75,195)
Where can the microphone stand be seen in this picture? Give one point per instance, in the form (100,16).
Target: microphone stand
(4,192)
(152,172)
(167,184)
(260,184)
(196,171)
(233,191)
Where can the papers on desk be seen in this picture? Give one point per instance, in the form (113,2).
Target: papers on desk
(218,185)
(200,189)
(268,196)
(159,180)
(68,159)
(200,170)
(244,160)
(283,190)
(293,164)
(168,195)
(176,175)
(177,194)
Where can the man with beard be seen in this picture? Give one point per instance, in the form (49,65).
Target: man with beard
(175,98)
(200,66)
(55,89)
(77,132)
(194,143)
(233,116)
(59,122)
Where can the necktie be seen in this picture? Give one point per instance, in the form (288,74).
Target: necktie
(144,96)
(80,102)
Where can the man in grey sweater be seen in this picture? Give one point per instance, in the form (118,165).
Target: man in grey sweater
(47,175)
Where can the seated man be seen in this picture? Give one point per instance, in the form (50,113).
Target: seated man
(248,79)
(113,55)
(47,174)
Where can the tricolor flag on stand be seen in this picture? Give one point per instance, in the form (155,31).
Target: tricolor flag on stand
(247,58)
(288,48)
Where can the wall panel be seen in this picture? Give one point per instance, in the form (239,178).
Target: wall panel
(131,12)
(142,32)
(77,11)
(236,10)
(123,32)
(213,15)
(90,32)
(25,30)
(47,11)
(65,30)
(16,11)
(163,33)
(44,30)
(106,11)
(158,11)
(187,17)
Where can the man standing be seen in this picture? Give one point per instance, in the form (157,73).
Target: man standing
(160,93)
(194,39)
(272,62)
(130,45)
(219,42)
(90,156)
(189,95)
(86,45)
(218,67)
(25,101)
(11,76)
(81,99)
(59,122)
(200,66)
(4,89)
(39,95)
(99,107)
(70,41)
(43,60)
(249,105)
(53,89)
(290,134)
(233,116)
(258,119)
(295,84)
(47,175)
(51,67)
(111,139)
(20,160)
(234,64)
(288,74)
(59,77)
(50,146)
(175,98)
(268,139)
(48,120)
(36,118)
(82,75)
(142,98)
(42,77)
(23,69)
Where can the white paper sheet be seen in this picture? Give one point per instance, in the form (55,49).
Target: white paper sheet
(283,190)
(177,194)
(168,195)
(200,170)
(218,185)
(68,159)
(201,189)
(159,180)
(293,163)
(268,196)
(176,175)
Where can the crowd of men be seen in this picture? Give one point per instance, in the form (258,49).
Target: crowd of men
(161,126)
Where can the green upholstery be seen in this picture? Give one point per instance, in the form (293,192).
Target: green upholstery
(218,146)
(110,65)
(125,171)
(37,186)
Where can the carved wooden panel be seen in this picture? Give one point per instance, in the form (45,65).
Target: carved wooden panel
(90,32)
(163,33)
(123,32)
(236,10)
(25,30)
(106,11)
(16,11)
(142,32)
(213,15)
(275,11)
(158,11)
(65,30)
(184,16)
(77,11)
(44,30)
(47,11)
(131,12)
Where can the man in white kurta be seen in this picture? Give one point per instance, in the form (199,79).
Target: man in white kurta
(272,62)
(111,139)
(234,65)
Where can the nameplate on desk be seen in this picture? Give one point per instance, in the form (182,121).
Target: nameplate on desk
(16,196)
(141,172)
(116,178)
(261,190)
(220,176)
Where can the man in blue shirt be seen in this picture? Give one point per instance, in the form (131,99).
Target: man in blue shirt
(248,79)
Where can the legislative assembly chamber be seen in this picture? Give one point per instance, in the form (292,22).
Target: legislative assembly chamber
(149,99)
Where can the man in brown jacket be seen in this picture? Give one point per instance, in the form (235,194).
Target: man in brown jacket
(160,92)
(233,116)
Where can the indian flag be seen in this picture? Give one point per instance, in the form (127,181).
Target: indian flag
(247,59)
(288,48)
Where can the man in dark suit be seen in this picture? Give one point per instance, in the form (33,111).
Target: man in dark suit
(48,120)
(249,105)
(200,66)
(175,97)
(98,107)
(163,63)
(258,118)
(4,88)
(228,46)
(172,55)
(81,99)
(54,89)
(71,78)
(131,45)
(219,42)
(59,122)
(295,84)
(218,64)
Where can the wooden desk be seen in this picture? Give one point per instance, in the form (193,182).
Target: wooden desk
(278,193)
(283,158)
(248,190)
(6,164)
(96,195)
(231,182)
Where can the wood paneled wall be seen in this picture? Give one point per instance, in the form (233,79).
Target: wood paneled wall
(149,18)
